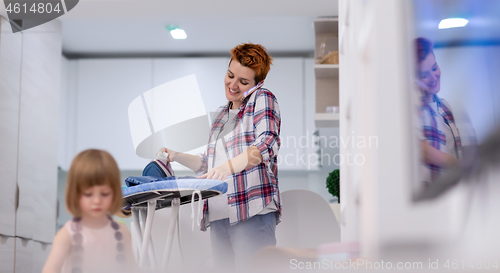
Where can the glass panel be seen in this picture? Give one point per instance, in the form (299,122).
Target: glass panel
(456,61)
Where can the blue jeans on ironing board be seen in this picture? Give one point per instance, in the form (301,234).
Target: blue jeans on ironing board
(233,247)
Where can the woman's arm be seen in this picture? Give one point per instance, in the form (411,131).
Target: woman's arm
(193,162)
(246,160)
(267,122)
(431,155)
(60,249)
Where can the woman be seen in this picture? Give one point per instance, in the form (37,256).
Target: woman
(441,146)
(242,150)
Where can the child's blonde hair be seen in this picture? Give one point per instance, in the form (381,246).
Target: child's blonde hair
(92,168)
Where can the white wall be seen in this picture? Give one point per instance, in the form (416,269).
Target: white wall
(470,83)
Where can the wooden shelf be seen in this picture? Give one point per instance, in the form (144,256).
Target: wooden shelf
(326,25)
(324,120)
(326,75)
(326,71)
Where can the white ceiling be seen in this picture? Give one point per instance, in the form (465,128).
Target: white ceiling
(205,34)
(118,27)
(483,16)
(137,27)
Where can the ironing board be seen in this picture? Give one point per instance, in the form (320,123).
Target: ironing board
(170,192)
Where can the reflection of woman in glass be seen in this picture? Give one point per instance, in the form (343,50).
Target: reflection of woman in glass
(441,146)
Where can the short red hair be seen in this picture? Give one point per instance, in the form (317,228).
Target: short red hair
(424,47)
(253,56)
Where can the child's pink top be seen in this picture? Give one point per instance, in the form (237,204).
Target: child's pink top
(94,250)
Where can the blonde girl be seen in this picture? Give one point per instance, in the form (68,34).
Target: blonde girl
(92,241)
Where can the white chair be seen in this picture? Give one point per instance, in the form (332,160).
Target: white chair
(307,221)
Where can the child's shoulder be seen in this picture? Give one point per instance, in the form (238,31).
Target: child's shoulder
(64,233)
(123,227)
(67,226)
(124,230)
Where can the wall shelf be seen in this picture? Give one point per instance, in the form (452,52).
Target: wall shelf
(326,71)
(327,75)
(324,120)
(326,24)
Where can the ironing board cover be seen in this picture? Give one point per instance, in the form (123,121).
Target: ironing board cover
(143,188)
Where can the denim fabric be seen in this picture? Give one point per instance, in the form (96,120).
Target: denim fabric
(233,247)
(152,169)
(139,180)
(139,184)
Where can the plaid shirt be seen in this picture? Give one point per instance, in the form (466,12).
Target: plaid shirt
(433,130)
(257,123)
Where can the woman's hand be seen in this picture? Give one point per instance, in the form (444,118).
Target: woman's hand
(431,155)
(219,173)
(421,85)
(171,154)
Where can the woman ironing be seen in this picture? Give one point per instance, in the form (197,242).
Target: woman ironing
(242,150)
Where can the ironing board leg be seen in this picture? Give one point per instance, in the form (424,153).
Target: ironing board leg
(147,232)
(152,254)
(176,202)
(151,250)
(137,233)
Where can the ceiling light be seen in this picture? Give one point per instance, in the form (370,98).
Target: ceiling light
(176,32)
(453,22)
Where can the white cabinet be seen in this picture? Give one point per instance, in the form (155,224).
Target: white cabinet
(7,255)
(23,254)
(39,254)
(30,256)
(38,131)
(10,77)
(29,99)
